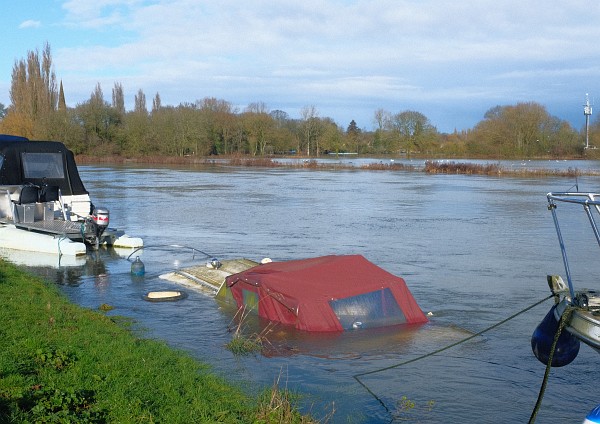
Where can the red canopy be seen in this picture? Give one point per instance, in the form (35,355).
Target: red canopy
(329,293)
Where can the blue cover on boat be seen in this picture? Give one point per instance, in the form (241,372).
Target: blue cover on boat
(7,137)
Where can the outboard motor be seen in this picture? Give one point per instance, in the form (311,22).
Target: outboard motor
(99,223)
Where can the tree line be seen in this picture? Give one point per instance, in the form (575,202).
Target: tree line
(211,126)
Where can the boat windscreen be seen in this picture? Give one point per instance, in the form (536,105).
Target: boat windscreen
(43,165)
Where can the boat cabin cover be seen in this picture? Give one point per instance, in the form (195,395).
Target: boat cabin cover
(40,163)
(329,293)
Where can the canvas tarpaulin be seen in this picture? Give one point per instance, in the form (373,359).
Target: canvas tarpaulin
(328,293)
(16,154)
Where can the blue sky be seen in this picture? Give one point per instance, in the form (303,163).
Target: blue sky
(451,61)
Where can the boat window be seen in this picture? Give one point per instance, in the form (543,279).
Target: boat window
(374,309)
(43,165)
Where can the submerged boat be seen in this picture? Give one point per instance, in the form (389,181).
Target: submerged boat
(579,310)
(44,206)
(323,294)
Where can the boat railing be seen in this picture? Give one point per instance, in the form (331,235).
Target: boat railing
(589,203)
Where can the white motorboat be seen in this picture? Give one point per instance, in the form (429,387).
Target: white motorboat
(579,309)
(44,206)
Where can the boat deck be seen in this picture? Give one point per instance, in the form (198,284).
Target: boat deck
(206,279)
(57,227)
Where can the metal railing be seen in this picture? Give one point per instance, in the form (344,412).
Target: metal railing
(589,203)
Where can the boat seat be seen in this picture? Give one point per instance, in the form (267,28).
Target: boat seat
(49,193)
(28,194)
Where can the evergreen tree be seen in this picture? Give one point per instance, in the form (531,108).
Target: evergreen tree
(62,104)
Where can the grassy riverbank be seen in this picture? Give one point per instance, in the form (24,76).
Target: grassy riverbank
(63,363)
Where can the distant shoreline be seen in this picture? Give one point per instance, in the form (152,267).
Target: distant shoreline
(460,166)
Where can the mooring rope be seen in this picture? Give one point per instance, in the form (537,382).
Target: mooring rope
(564,318)
(176,246)
(435,352)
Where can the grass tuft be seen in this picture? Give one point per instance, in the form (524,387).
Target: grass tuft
(242,343)
(278,405)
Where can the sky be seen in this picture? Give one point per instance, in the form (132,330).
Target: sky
(451,61)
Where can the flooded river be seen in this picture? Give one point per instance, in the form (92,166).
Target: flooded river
(473,250)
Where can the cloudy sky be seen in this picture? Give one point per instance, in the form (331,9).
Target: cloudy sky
(451,61)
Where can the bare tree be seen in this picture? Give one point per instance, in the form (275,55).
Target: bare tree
(381,119)
(259,126)
(309,126)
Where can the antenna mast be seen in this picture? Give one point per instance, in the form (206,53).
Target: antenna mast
(587,111)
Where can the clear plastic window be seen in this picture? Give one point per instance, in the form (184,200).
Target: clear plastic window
(374,309)
(43,165)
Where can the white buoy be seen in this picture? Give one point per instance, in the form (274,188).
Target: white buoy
(165,295)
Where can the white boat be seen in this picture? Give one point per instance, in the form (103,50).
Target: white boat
(44,206)
(580,309)
(584,322)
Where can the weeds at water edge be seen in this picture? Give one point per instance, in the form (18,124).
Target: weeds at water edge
(406,408)
(242,343)
(279,405)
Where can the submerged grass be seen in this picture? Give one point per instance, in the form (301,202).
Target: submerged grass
(243,342)
(436,167)
(276,405)
(63,363)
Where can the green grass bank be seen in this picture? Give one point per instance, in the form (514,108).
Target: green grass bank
(60,363)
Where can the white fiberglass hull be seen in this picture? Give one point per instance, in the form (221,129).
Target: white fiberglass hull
(117,238)
(12,237)
(38,259)
(584,323)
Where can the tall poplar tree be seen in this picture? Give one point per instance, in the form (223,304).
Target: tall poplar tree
(118,99)
(33,94)
(140,103)
(156,103)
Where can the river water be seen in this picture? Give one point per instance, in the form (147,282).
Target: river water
(473,250)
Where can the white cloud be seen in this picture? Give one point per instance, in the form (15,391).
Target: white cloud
(363,49)
(30,24)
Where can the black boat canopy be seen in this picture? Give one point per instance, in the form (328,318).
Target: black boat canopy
(40,163)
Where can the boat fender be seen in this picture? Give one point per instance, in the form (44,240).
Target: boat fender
(567,346)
